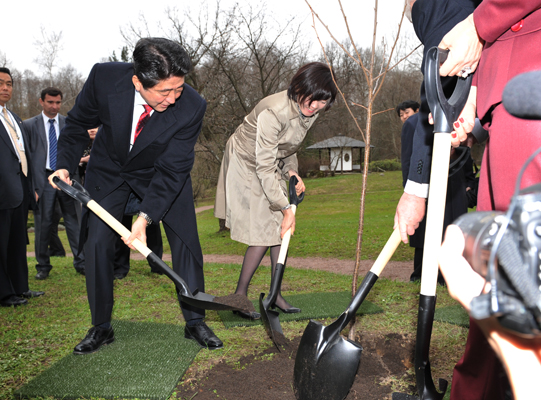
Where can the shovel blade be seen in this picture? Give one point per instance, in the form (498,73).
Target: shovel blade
(329,374)
(271,321)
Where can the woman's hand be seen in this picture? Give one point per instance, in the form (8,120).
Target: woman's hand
(466,120)
(463,126)
(288,222)
(299,187)
(465,48)
(520,356)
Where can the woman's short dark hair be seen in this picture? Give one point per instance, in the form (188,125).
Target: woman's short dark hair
(156,59)
(313,81)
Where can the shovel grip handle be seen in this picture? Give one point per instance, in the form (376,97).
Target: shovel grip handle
(435,212)
(387,252)
(117,226)
(285,241)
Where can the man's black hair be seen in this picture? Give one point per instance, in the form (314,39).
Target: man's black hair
(313,81)
(51,91)
(157,59)
(6,71)
(407,104)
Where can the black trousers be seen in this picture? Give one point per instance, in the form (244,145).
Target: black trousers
(154,243)
(100,247)
(44,220)
(13,241)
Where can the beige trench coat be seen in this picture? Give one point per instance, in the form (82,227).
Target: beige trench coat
(252,186)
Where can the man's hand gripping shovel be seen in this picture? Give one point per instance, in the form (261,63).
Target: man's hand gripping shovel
(199,299)
(444,112)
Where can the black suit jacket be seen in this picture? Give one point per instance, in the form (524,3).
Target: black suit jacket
(157,168)
(432,19)
(10,170)
(38,148)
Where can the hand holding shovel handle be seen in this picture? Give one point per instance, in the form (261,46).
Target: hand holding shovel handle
(444,112)
(271,318)
(200,299)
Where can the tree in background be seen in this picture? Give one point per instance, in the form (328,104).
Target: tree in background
(374,66)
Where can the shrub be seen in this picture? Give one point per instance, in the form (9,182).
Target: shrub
(385,165)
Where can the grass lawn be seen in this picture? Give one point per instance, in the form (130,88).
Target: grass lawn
(35,336)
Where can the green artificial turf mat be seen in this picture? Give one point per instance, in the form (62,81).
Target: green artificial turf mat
(145,361)
(313,306)
(453,315)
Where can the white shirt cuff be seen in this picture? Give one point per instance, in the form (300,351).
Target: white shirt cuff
(416,189)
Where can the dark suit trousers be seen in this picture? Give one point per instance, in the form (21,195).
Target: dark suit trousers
(100,248)
(13,240)
(55,245)
(154,243)
(44,220)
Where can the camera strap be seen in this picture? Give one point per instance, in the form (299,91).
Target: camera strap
(518,272)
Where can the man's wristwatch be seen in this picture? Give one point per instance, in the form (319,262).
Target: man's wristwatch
(145,216)
(286,207)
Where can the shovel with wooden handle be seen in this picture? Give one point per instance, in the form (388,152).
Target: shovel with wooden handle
(444,112)
(326,363)
(199,299)
(271,318)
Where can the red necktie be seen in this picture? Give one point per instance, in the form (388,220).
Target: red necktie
(142,121)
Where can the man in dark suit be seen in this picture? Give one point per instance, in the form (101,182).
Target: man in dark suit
(43,130)
(431,19)
(143,153)
(17,196)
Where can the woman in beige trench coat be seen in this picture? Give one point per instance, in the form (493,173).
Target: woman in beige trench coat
(259,159)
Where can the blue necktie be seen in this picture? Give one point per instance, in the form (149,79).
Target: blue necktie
(52,145)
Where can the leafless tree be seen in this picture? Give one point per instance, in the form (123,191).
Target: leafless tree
(49,45)
(374,72)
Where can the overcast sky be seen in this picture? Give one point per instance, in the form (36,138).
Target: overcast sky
(91,29)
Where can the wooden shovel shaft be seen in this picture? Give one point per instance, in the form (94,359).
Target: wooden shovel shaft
(117,226)
(435,212)
(285,241)
(386,253)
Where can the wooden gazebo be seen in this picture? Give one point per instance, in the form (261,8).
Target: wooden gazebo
(339,150)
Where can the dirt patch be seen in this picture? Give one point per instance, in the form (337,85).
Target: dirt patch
(269,374)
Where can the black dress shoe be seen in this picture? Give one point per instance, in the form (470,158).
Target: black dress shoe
(248,315)
(120,276)
(80,271)
(31,293)
(95,338)
(203,335)
(290,310)
(13,301)
(156,271)
(41,275)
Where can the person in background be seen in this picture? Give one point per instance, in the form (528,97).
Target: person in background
(15,174)
(44,130)
(259,159)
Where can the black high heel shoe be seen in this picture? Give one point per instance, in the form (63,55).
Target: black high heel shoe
(290,310)
(252,315)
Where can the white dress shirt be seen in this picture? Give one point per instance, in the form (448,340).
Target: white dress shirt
(14,124)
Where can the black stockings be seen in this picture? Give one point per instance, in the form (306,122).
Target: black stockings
(252,259)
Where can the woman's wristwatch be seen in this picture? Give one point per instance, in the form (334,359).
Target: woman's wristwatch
(145,216)
(286,207)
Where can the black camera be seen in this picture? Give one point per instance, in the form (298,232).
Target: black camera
(505,248)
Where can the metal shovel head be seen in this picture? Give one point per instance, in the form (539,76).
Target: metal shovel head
(271,321)
(321,373)
(200,299)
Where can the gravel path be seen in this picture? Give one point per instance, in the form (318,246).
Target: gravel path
(395,270)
